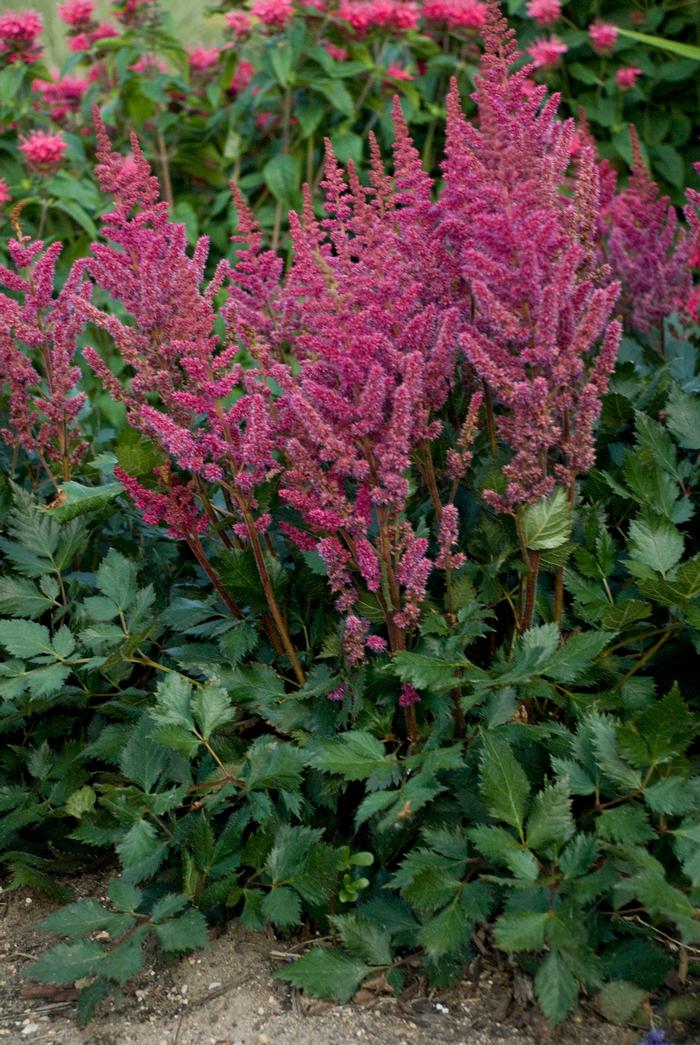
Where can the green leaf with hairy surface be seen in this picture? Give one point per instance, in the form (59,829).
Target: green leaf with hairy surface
(356,755)
(520,930)
(183,934)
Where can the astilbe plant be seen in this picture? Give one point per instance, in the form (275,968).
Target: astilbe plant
(38,340)
(539,304)
(648,250)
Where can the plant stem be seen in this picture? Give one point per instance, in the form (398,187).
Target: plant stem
(531,591)
(198,551)
(165,170)
(490,420)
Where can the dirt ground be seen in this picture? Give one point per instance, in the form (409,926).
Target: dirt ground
(224,996)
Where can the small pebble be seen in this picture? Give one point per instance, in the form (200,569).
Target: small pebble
(30,1028)
(214,985)
(263,1039)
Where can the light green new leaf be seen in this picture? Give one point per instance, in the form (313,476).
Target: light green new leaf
(547,523)
(79,499)
(655,543)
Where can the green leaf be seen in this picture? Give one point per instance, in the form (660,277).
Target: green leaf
(212,709)
(446,932)
(550,821)
(547,523)
(67,962)
(683,418)
(25,638)
(326,972)
(283,907)
(520,930)
(655,543)
(504,785)
(555,988)
(281,175)
(425,673)
(85,916)
(20,596)
(79,499)
(337,94)
(143,759)
(619,1001)
(604,741)
(140,851)
(355,755)
(183,934)
(80,801)
(683,50)
(91,996)
(116,578)
(577,655)
(124,895)
(364,939)
(126,960)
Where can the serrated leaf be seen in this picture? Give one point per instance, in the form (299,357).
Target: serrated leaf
(167,906)
(555,988)
(25,638)
(91,996)
(126,960)
(143,759)
(116,578)
(618,1001)
(577,655)
(326,972)
(80,801)
(183,934)
(355,755)
(85,916)
(446,932)
(604,742)
(283,907)
(504,785)
(67,962)
(19,595)
(520,930)
(550,821)
(364,939)
(212,709)
(547,523)
(140,851)
(683,418)
(655,543)
(124,895)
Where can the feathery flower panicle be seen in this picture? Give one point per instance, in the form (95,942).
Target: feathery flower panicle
(38,342)
(169,339)
(648,250)
(524,253)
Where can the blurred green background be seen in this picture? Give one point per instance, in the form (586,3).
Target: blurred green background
(188,16)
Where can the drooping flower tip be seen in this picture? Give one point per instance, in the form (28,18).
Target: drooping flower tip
(627,76)
(409,696)
(77,14)
(603,36)
(338,53)
(545,12)
(5,196)
(43,151)
(337,695)
(204,58)
(546,52)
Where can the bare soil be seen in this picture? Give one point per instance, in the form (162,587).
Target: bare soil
(224,996)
